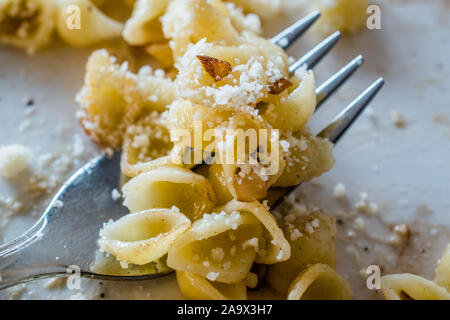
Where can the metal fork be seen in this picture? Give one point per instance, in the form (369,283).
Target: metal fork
(64,240)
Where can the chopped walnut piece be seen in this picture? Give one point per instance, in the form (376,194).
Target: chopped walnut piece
(279,86)
(218,69)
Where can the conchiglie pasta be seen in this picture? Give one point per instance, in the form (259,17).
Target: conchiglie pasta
(308,157)
(27,24)
(219,247)
(146,146)
(312,240)
(274,247)
(105,263)
(189,124)
(264,8)
(144,27)
(196,287)
(189,21)
(143,237)
(169,186)
(291,111)
(250,158)
(110,99)
(442,277)
(242,22)
(161,52)
(158,92)
(411,287)
(219,183)
(319,282)
(81,24)
(343,15)
(254,65)
(119,10)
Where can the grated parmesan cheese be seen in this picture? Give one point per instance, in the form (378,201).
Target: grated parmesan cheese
(13,160)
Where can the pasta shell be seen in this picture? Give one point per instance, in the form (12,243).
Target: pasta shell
(195,287)
(319,282)
(215,247)
(81,24)
(291,111)
(169,186)
(408,286)
(146,146)
(143,237)
(308,246)
(144,27)
(27,24)
(275,248)
(442,277)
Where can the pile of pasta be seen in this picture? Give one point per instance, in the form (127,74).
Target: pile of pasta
(211,223)
(30,24)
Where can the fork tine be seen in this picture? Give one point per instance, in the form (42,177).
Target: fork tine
(335,130)
(326,89)
(289,35)
(345,119)
(317,53)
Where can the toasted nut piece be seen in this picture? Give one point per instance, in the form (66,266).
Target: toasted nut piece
(279,86)
(218,69)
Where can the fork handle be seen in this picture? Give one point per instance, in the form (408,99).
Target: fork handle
(23,259)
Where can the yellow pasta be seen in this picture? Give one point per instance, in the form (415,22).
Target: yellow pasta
(119,10)
(112,98)
(234,108)
(144,27)
(146,146)
(195,287)
(319,282)
(169,186)
(162,52)
(219,247)
(343,15)
(308,157)
(82,24)
(189,21)
(291,111)
(255,65)
(274,247)
(312,240)
(219,183)
(105,263)
(264,8)
(411,287)
(27,24)
(408,286)
(442,277)
(143,237)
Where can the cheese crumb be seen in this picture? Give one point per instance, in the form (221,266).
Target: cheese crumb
(398,119)
(58,204)
(115,195)
(13,160)
(339,191)
(253,242)
(217,254)
(212,276)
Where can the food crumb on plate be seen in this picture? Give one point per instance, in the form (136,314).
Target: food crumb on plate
(13,160)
